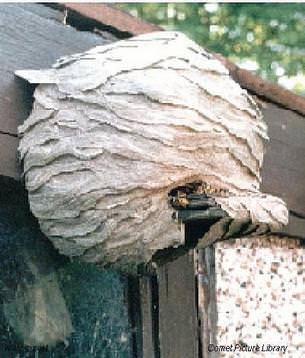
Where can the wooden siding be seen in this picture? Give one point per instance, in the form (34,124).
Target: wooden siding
(284,162)
(32,36)
(178,323)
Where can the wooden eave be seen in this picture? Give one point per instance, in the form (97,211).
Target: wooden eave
(110,16)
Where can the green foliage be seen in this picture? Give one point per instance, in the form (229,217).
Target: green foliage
(271,34)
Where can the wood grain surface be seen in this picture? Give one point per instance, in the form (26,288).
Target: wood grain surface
(32,36)
(178,332)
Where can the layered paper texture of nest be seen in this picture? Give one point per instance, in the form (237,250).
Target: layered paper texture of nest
(114,129)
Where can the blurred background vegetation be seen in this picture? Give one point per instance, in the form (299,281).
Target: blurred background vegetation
(266,38)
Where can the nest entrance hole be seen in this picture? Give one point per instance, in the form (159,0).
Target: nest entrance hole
(194,209)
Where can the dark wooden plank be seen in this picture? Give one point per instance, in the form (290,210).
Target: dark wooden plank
(8,156)
(268,90)
(149,310)
(178,324)
(296,227)
(135,314)
(32,37)
(113,17)
(43,11)
(284,164)
(207,305)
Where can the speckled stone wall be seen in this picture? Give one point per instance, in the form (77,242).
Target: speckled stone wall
(260,295)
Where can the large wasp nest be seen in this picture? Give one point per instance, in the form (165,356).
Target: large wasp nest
(115,129)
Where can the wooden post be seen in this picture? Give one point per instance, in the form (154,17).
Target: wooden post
(150,318)
(178,324)
(168,308)
(207,310)
(175,319)
(143,312)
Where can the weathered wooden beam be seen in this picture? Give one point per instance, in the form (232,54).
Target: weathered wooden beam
(115,18)
(47,38)
(207,310)
(135,314)
(260,87)
(195,215)
(296,227)
(8,156)
(178,325)
(143,302)
(283,169)
(147,319)
(149,313)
